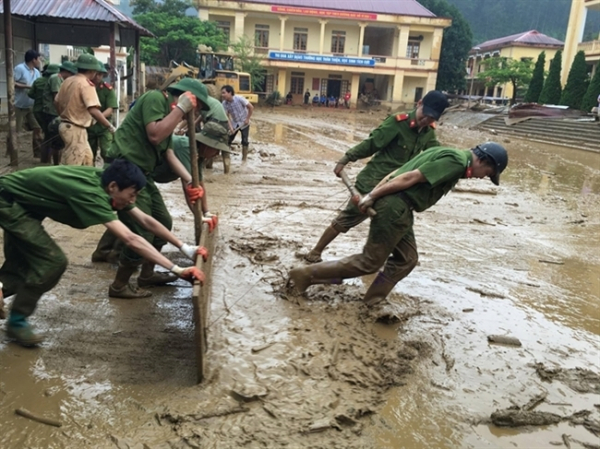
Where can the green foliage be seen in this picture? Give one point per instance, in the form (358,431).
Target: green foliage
(274,98)
(552,89)
(246,61)
(455,46)
(172,7)
(590,99)
(537,80)
(507,70)
(177,38)
(577,83)
(491,19)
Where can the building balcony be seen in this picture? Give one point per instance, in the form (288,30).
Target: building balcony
(590,48)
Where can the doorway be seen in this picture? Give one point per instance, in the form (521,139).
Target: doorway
(418,94)
(334,88)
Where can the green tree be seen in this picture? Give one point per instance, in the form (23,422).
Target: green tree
(577,83)
(177,38)
(537,80)
(552,88)
(247,61)
(456,44)
(507,70)
(590,99)
(173,7)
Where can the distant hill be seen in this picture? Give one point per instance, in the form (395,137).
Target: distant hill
(490,19)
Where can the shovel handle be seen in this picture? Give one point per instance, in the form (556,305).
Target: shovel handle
(370,211)
(197,208)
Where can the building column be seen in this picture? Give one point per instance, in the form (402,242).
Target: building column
(398,87)
(403,31)
(281,82)
(354,89)
(322,41)
(431,82)
(238,30)
(436,46)
(282,32)
(203,14)
(574,36)
(361,38)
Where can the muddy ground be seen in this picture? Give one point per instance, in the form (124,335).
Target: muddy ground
(320,371)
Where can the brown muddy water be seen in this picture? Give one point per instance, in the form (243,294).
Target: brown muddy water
(321,371)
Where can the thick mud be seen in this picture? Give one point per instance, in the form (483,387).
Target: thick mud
(323,371)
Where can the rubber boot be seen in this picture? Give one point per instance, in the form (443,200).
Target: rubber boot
(36,141)
(150,278)
(244,153)
(56,155)
(226,162)
(21,331)
(105,250)
(378,290)
(209,163)
(329,235)
(121,288)
(333,272)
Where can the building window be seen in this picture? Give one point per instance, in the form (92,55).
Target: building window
(261,36)
(225,28)
(297,83)
(300,39)
(412,49)
(338,41)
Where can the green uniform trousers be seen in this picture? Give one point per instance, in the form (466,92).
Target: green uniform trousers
(391,242)
(149,201)
(33,262)
(100,141)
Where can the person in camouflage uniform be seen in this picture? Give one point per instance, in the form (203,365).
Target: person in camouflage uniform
(397,140)
(98,136)
(36,93)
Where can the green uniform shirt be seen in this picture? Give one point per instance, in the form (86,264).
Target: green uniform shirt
(215,112)
(71,195)
(396,141)
(442,167)
(37,93)
(50,90)
(181,148)
(131,141)
(108,99)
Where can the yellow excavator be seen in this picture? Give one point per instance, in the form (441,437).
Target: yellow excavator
(215,71)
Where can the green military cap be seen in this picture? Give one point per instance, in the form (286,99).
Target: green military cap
(51,69)
(215,136)
(193,86)
(87,62)
(69,67)
(102,68)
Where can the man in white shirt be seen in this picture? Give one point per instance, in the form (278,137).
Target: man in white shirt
(239,110)
(25,74)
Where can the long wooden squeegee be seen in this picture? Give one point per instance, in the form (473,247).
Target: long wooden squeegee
(200,294)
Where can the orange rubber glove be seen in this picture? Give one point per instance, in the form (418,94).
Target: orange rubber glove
(194,193)
(211,220)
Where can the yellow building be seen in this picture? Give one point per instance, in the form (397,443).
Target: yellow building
(387,49)
(527,45)
(573,44)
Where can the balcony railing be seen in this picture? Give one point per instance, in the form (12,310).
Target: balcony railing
(589,47)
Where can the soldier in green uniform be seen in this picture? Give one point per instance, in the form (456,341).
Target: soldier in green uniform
(37,94)
(212,139)
(144,138)
(416,186)
(397,140)
(67,69)
(34,263)
(98,135)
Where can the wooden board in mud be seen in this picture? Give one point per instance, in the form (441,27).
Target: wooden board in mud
(201,300)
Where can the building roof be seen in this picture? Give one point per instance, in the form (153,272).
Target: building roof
(96,10)
(394,7)
(533,38)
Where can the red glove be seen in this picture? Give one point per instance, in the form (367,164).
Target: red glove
(355,200)
(194,193)
(191,273)
(202,251)
(211,220)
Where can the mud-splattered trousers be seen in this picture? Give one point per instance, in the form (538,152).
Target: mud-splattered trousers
(33,262)
(391,243)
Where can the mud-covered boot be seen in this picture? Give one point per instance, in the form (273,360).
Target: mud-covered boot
(314,255)
(37,143)
(333,272)
(21,331)
(226,162)
(244,153)
(107,244)
(150,278)
(122,288)
(378,290)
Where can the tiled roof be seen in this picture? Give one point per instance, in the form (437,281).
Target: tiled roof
(532,37)
(97,10)
(394,7)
